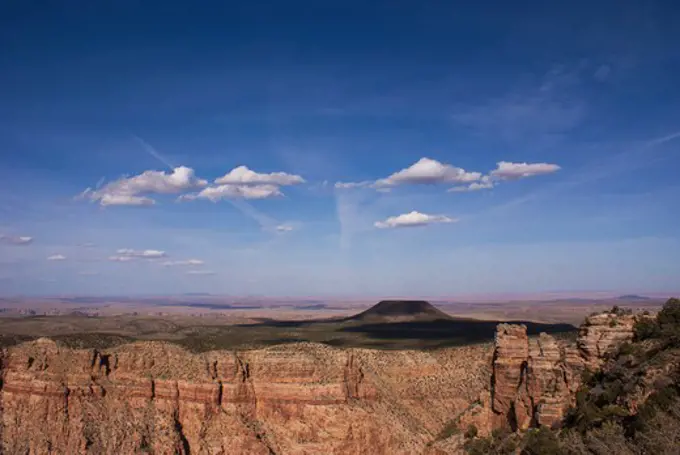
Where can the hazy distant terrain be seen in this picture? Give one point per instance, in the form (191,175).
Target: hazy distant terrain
(206,322)
(251,309)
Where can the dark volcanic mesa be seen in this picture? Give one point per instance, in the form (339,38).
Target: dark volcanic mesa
(401,311)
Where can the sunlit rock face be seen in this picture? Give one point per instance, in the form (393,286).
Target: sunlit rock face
(154,397)
(534,381)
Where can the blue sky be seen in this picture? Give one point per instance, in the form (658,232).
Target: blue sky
(339,148)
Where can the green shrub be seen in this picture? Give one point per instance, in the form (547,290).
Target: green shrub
(646,328)
(626,349)
(609,439)
(482,446)
(501,442)
(612,412)
(670,314)
(541,442)
(449,430)
(598,424)
(664,399)
(618,311)
(669,321)
(471,432)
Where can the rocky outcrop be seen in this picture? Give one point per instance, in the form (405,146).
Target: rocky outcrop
(509,366)
(295,399)
(550,381)
(603,333)
(534,382)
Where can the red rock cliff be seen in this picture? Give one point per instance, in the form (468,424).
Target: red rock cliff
(296,399)
(534,382)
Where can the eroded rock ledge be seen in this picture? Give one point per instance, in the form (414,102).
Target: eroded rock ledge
(534,382)
(154,397)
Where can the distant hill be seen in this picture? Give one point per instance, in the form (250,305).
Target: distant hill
(401,311)
(77,313)
(633,297)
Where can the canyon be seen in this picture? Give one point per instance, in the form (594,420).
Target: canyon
(300,398)
(290,399)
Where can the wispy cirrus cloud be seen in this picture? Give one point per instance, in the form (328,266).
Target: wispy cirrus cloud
(284,228)
(200,272)
(121,258)
(15,240)
(56,257)
(350,185)
(128,254)
(187,262)
(538,112)
(634,157)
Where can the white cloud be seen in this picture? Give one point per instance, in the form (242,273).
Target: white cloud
(429,171)
(512,171)
(484,183)
(121,258)
(229,191)
(243,183)
(188,262)
(200,272)
(350,185)
(129,191)
(412,219)
(424,171)
(284,228)
(20,240)
(127,254)
(124,199)
(243,176)
(56,257)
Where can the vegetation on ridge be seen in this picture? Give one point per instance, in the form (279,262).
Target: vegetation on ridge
(630,407)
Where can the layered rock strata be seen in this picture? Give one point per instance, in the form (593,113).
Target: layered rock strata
(534,382)
(602,334)
(297,399)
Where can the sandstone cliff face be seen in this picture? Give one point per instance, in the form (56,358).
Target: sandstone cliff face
(295,399)
(509,367)
(534,382)
(603,333)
